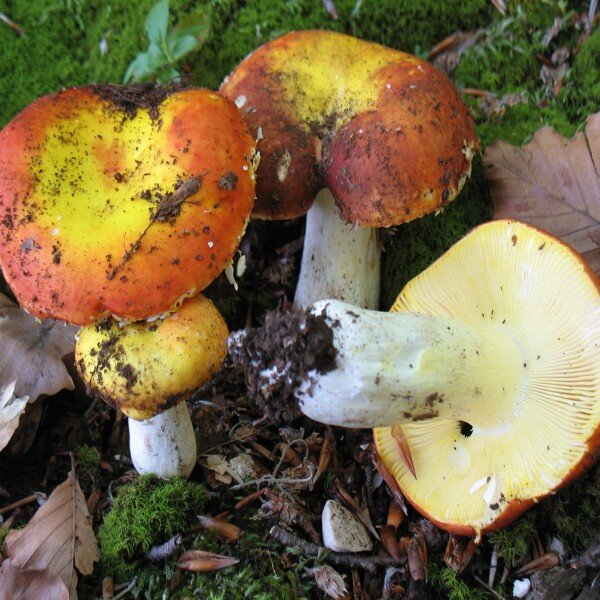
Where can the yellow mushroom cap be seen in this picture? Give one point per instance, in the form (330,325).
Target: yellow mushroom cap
(385,131)
(144,368)
(472,476)
(121,200)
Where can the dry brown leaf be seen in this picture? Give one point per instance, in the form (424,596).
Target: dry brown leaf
(552,183)
(32,351)
(30,584)
(202,562)
(58,537)
(11,409)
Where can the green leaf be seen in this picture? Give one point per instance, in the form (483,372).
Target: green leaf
(138,66)
(168,75)
(196,24)
(158,22)
(182,46)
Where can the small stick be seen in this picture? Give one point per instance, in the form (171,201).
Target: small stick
(488,588)
(493,568)
(12,24)
(22,502)
(369,563)
(126,591)
(248,499)
(325,457)
(108,588)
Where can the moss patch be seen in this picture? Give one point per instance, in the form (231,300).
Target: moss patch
(146,512)
(65,38)
(581,95)
(418,243)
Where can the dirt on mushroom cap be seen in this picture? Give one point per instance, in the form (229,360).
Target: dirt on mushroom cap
(144,368)
(118,208)
(384,130)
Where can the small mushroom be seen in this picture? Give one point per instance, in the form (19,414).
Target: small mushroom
(148,370)
(487,369)
(384,135)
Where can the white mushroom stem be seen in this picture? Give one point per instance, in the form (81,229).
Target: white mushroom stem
(393,368)
(164,445)
(339,260)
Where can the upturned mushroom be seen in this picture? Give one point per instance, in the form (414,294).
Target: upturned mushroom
(379,137)
(123,202)
(148,370)
(488,367)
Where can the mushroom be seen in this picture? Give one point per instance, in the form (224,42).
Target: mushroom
(487,367)
(122,202)
(148,370)
(384,135)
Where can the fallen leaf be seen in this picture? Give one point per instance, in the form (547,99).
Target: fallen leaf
(239,468)
(58,537)
(330,581)
(32,351)
(30,584)
(11,409)
(202,562)
(552,183)
(224,529)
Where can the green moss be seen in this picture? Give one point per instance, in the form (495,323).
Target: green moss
(581,95)
(88,461)
(447,584)
(62,46)
(513,543)
(518,124)
(418,243)
(146,512)
(504,59)
(573,514)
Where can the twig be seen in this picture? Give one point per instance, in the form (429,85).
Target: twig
(12,24)
(369,563)
(22,502)
(488,588)
(126,591)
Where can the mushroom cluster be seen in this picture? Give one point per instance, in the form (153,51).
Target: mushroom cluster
(123,202)
(482,383)
(378,137)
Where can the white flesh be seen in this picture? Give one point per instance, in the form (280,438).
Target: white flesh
(164,445)
(339,260)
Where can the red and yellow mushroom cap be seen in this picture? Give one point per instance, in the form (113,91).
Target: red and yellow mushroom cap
(145,367)
(121,201)
(477,474)
(386,132)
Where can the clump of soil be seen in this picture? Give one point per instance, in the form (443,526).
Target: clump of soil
(130,98)
(276,357)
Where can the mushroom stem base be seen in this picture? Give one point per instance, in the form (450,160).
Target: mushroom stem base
(164,445)
(339,260)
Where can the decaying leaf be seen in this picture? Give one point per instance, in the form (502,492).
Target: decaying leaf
(202,562)
(329,580)
(29,584)
(239,468)
(11,409)
(32,351)
(552,183)
(58,537)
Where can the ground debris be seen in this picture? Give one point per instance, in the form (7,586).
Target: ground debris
(276,357)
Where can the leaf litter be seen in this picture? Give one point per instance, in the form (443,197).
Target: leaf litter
(552,183)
